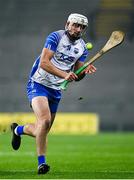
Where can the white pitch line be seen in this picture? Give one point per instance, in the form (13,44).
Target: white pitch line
(101,171)
(17,154)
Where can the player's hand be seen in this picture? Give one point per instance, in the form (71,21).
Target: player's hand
(90,69)
(71,76)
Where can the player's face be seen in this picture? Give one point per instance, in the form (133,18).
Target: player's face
(76,29)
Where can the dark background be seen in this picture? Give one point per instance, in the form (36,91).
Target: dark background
(24,25)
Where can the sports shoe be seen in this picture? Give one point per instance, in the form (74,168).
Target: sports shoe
(43,169)
(16,140)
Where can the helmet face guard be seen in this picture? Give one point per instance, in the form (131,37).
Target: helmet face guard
(77,19)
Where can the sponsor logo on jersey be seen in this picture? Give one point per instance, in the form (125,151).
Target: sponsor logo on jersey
(64,57)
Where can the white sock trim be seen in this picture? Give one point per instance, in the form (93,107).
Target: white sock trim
(41,165)
(15,131)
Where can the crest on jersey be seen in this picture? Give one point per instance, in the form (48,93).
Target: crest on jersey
(76,50)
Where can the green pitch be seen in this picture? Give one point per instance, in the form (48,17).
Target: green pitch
(103,156)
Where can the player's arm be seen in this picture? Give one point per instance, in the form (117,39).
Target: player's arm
(46,64)
(78,64)
(89,70)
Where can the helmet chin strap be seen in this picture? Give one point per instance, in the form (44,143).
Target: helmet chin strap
(71,37)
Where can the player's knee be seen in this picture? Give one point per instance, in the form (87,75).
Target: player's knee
(47,124)
(44,124)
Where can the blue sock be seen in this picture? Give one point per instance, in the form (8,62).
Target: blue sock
(19,130)
(41,160)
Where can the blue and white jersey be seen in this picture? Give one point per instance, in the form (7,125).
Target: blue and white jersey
(66,55)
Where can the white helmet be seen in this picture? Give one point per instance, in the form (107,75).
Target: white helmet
(78,18)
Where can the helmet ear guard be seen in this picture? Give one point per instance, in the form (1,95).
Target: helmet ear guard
(66,26)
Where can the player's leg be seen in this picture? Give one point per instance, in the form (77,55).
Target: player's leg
(44,122)
(42,112)
(52,120)
(28,129)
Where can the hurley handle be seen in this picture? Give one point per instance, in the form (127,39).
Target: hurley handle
(65,83)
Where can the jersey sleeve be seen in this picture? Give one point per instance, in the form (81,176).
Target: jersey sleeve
(84,55)
(52,41)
